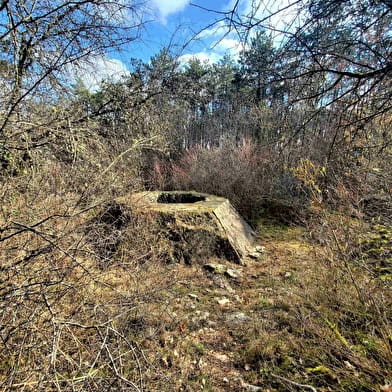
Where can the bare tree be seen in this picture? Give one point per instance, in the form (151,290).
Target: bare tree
(40,38)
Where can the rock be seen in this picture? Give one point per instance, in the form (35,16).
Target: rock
(349,365)
(238,317)
(250,387)
(219,269)
(233,273)
(253,388)
(257,252)
(222,283)
(223,301)
(255,255)
(193,296)
(223,292)
(221,357)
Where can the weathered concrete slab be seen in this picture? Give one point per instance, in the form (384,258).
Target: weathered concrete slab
(201,220)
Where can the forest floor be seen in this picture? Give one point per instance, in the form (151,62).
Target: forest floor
(302,317)
(289,321)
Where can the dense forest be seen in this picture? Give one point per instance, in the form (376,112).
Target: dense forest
(295,131)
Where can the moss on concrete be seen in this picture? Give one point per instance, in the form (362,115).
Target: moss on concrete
(200,225)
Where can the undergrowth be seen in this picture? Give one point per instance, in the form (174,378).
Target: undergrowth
(323,322)
(91,300)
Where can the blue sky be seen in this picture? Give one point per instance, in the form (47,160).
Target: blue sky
(178,21)
(175,22)
(171,23)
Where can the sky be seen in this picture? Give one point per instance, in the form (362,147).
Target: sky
(176,24)
(173,24)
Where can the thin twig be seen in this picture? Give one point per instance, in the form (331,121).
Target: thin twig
(112,361)
(306,386)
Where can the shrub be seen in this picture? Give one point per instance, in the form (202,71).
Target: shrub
(246,173)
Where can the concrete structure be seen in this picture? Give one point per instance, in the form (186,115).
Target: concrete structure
(204,224)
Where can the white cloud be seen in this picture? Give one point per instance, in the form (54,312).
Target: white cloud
(230,46)
(230,5)
(208,57)
(283,15)
(277,15)
(217,30)
(278,12)
(167,7)
(98,69)
(224,46)
(219,40)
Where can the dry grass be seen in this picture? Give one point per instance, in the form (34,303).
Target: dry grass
(90,304)
(66,322)
(324,323)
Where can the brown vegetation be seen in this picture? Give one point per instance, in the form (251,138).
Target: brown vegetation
(95,298)
(87,305)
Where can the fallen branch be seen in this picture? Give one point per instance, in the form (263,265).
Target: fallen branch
(313,389)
